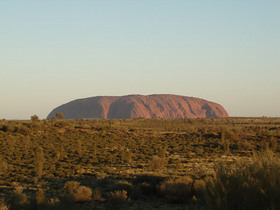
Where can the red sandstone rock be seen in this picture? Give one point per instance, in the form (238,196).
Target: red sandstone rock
(135,106)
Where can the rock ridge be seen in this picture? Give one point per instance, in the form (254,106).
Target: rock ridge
(135,106)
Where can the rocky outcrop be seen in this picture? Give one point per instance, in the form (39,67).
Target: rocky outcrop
(135,106)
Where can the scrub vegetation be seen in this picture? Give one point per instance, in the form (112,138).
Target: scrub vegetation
(227,163)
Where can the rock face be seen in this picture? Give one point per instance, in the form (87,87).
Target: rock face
(135,106)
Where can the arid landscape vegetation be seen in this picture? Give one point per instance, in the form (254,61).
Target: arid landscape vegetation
(139,105)
(226,163)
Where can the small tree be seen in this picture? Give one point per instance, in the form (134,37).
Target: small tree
(59,116)
(40,197)
(3,166)
(79,147)
(34,118)
(39,161)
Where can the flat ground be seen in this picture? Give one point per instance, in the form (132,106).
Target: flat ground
(126,162)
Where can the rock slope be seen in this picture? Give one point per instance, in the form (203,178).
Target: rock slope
(135,106)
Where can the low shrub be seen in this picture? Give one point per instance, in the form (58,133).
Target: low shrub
(82,194)
(243,145)
(3,205)
(176,189)
(78,193)
(148,183)
(198,186)
(18,199)
(157,163)
(70,186)
(198,150)
(253,185)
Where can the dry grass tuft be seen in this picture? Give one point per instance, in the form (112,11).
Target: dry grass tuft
(97,195)
(124,185)
(118,198)
(253,185)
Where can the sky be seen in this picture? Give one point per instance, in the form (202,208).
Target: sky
(53,52)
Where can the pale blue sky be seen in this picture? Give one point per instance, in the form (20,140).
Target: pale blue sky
(52,52)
